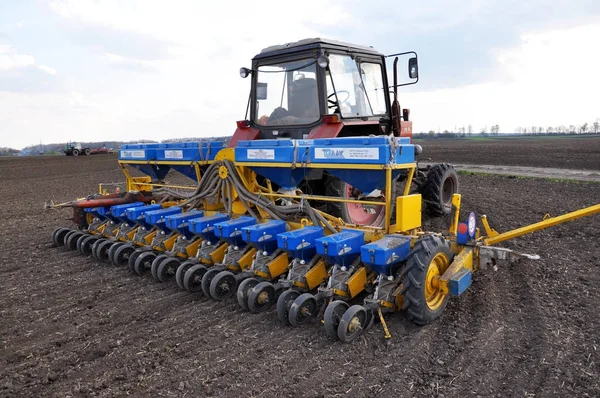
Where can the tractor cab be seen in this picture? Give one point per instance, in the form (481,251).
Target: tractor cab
(318,88)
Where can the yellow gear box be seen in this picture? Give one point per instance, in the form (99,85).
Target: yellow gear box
(408,212)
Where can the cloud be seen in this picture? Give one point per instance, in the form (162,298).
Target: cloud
(21,73)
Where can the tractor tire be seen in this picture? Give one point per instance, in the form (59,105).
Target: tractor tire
(423,302)
(350,213)
(87,151)
(75,152)
(437,191)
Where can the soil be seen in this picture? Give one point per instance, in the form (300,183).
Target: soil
(72,327)
(564,152)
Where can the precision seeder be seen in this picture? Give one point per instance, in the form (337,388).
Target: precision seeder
(314,209)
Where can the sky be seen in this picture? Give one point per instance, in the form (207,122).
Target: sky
(89,70)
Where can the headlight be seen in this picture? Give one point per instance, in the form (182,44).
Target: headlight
(244,72)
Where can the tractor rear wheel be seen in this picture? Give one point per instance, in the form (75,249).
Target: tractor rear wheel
(437,191)
(87,151)
(351,213)
(75,152)
(424,301)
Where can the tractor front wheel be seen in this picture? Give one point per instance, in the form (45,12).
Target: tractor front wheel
(437,191)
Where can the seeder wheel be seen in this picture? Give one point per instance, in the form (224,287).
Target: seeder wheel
(155,264)
(352,324)
(183,268)
(58,236)
(284,302)
(243,292)
(333,314)
(144,262)
(65,238)
(207,279)
(222,286)
(303,309)
(194,278)
(132,259)
(95,246)
(85,244)
(167,269)
(113,250)
(122,254)
(71,241)
(261,297)
(80,242)
(102,249)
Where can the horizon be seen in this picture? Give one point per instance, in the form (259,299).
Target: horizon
(107,72)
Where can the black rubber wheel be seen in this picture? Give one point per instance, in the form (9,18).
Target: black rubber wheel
(333,314)
(243,292)
(261,297)
(351,213)
(222,286)
(102,251)
(183,268)
(87,151)
(303,309)
(437,191)
(132,258)
(60,236)
(65,237)
(423,300)
(207,280)
(95,246)
(122,254)
(75,152)
(71,241)
(352,323)
(85,247)
(59,231)
(80,241)
(194,278)
(113,249)
(284,302)
(167,269)
(144,262)
(155,264)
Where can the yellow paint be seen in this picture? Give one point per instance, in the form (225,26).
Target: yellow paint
(491,232)
(356,283)
(340,293)
(278,266)
(223,172)
(246,260)
(316,275)
(192,248)
(434,296)
(150,237)
(549,222)
(464,259)
(388,198)
(408,212)
(218,254)
(456,199)
(132,233)
(385,328)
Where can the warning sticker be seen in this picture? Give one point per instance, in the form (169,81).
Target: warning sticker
(261,154)
(133,154)
(174,154)
(347,153)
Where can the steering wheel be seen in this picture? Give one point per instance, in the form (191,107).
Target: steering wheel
(333,103)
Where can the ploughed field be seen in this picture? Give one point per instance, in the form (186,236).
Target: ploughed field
(565,152)
(72,327)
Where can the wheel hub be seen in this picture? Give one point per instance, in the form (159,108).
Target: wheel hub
(263,298)
(354,324)
(433,294)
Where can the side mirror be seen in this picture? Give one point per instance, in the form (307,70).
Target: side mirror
(413,68)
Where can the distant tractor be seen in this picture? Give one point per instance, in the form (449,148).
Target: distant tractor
(76,149)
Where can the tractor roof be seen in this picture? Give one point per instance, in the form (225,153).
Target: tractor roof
(307,44)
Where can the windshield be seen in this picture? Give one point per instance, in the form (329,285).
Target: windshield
(286,93)
(358,95)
